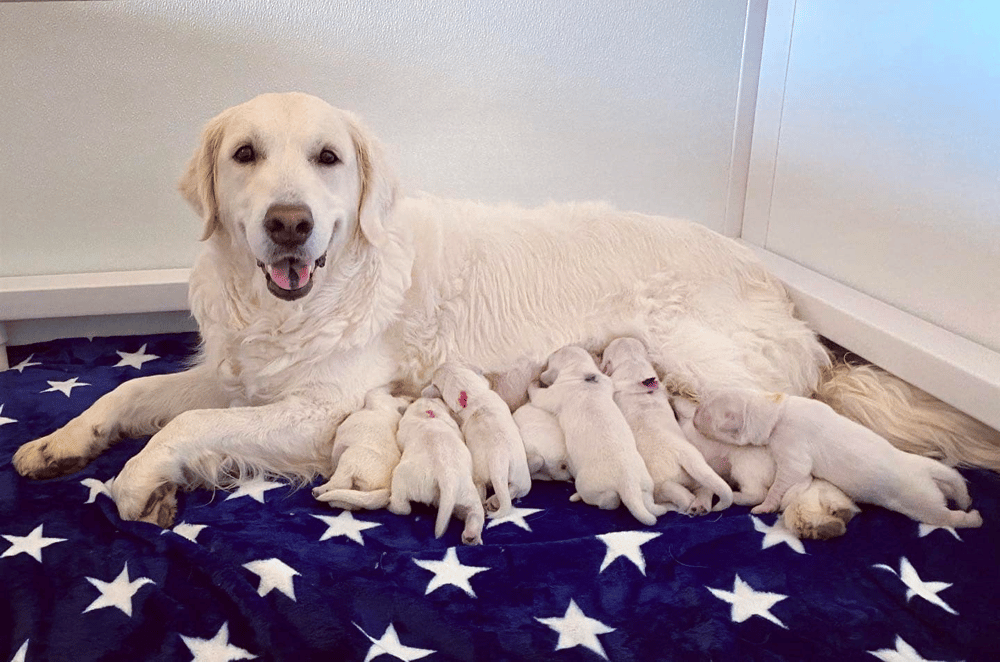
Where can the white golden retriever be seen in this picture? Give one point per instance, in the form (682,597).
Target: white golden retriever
(365,453)
(603,459)
(544,443)
(318,281)
(436,468)
(498,457)
(676,466)
(807,438)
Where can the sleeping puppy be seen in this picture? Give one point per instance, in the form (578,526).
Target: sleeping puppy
(436,468)
(498,456)
(365,453)
(674,463)
(806,438)
(544,443)
(602,455)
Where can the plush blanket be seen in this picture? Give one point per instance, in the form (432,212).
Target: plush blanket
(266,572)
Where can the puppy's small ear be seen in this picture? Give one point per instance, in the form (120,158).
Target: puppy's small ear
(430,391)
(197,184)
(548,376)
(378,182)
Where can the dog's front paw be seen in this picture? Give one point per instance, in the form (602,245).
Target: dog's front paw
(764,508)
(54,455)
(142,493)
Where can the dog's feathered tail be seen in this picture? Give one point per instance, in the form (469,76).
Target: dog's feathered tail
(911,419)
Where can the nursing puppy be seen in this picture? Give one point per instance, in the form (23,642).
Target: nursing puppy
(544,443)
(808,438)
(498,456)
(365,453)
(436,468)
(602,455)
(674,463)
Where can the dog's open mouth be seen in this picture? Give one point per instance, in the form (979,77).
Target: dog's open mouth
(289,278)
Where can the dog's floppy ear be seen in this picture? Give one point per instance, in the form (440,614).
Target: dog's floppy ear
(197,184)
(760,416)
(378,182)
(548,376)
(430,391)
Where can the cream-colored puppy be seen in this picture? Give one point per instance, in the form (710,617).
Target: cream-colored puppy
(544,443)
(436,468)
(807,438)
(365,453)
(498,456)
(601,449)
(675,465)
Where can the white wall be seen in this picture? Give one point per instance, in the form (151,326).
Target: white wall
(633,102)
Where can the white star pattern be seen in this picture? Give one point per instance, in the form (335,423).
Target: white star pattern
(777,534)
(575,628)
(516,516)
(917,587)
(627,545)
(25,364)
(216,648)
(118,593)
(5,420)
(345,525)
(274,574)
(748,602)
(22,651)
(97,487)
(902,653)
(29,545)
(255,489)
(134,359)
(187,530)
(925,529)
(449,571)
(66,386)
(389,644)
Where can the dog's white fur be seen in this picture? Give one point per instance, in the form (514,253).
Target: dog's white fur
(821,512)
(603,459)
(365,453)
(544,443)
(436,468)
(498,457)
(675,465)
(807,438)
(409,283)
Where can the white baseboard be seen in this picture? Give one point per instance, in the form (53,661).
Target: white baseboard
(960,372)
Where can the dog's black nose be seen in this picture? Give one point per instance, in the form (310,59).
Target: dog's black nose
(288,225)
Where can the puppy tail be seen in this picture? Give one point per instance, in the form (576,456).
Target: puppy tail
(911,419)
(499,471)
(632,499)
(446,506)
(356,499)
(695,464)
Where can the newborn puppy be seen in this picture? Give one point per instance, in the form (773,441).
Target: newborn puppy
(602,455)
(498,456)
(807,438)
(544,443)
(436,468)
(365,453)
(674,463)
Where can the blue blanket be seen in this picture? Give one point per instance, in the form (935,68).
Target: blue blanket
(268,573)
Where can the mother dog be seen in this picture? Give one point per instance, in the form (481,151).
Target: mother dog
(318,282)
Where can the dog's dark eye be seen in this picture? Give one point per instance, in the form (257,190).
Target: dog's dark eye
(245,154)
(327,158)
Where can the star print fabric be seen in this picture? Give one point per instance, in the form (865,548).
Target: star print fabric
(266,572)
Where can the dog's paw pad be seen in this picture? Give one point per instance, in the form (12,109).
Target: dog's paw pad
(161,507)
(39,460)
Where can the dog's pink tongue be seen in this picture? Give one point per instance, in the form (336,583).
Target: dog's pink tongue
(288,277)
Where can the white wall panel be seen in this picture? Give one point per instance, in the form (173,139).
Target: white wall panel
(632,102)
